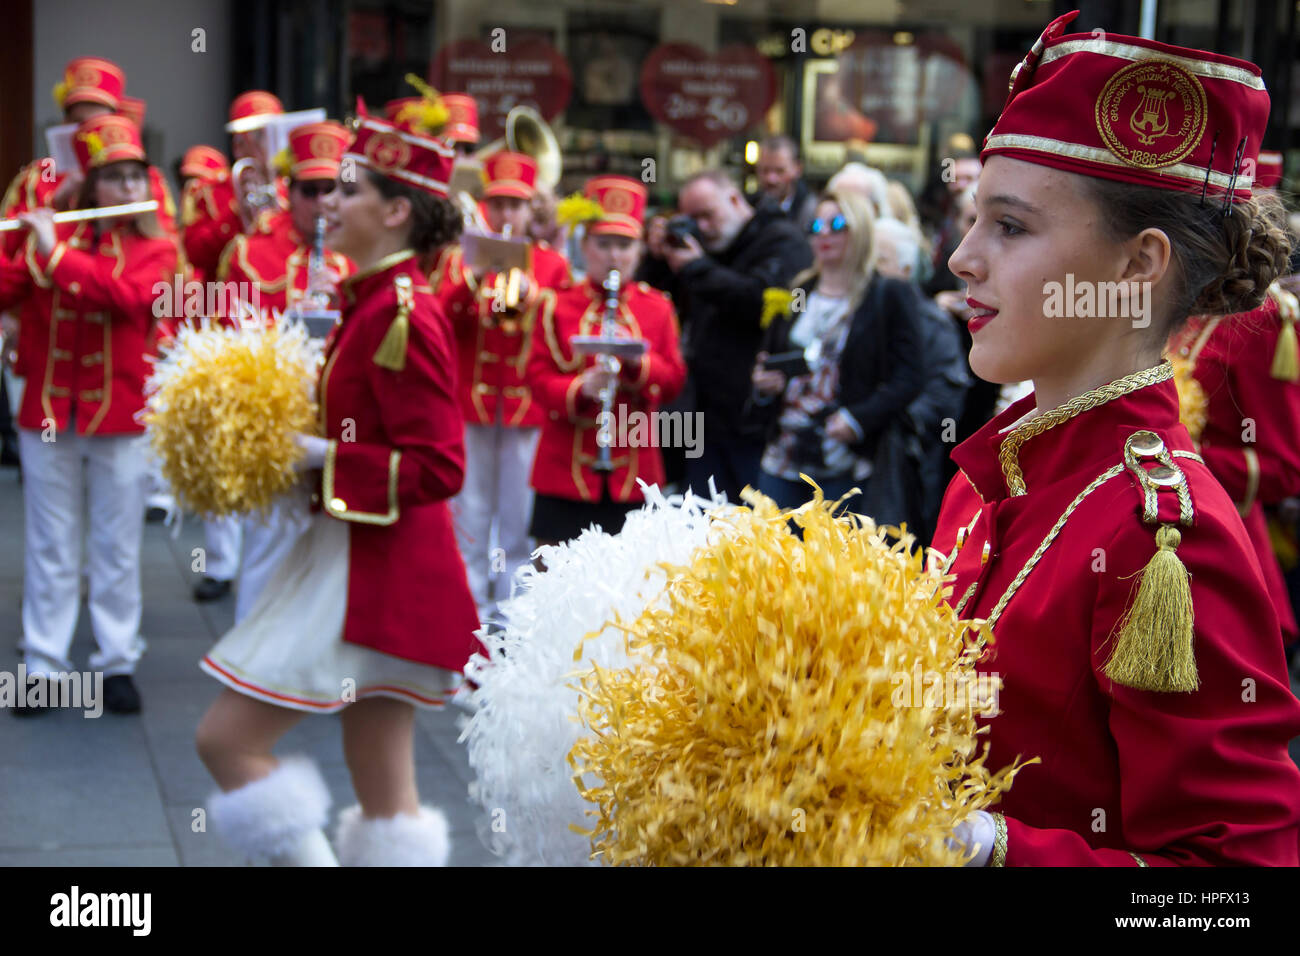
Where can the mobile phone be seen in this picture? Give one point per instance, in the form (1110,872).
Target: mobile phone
(791,364)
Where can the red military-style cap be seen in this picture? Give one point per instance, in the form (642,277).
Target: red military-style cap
(403,157)
(90,79)
(462,123)
(623,200)
(252,110)
(1134,110)
(316,150)
(105,139)
(133,108)
(205,163)
(1269,169)
(509,174)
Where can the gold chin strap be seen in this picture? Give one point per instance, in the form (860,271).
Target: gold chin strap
(1008,456)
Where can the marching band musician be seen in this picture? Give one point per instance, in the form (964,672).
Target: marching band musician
(276,266)
(495,333)
(92,283)
(1137,650)
(370,614)
(571,492)
(217,213)
(208,191)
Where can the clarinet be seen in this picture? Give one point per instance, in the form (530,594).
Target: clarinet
(606,361)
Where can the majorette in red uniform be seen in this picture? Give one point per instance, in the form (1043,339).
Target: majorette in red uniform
(495,335)
(1243,411)
(1054,512)
(212,207)
(87,339)
(372,602)
(571,493)
(267,274)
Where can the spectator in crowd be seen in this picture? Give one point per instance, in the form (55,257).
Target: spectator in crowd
(780,180)
(716,263)
(860,337)
(934,413)
(959,176)
(865,181)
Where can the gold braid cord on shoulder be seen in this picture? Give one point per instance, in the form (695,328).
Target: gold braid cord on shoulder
(1008,456)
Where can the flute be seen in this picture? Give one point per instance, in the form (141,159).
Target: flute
(81,215)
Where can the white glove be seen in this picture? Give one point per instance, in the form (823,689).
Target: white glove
(313,450)
(976,828)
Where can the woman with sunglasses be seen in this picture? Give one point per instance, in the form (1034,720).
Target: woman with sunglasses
(87,348)
(268,273)
(370,614)
(852,361)
(1139,654)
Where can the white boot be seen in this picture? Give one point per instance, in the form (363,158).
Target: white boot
(278,818)
(402,840)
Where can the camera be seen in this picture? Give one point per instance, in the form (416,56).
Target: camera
(678,228)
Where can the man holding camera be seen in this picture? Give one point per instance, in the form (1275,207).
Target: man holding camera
(716,258)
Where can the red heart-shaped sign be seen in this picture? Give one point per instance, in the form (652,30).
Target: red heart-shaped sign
(527,72)
(707,96)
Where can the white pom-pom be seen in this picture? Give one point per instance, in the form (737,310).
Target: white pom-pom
(526,718)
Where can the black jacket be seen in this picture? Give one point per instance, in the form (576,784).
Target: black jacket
(720,301)
(882,368)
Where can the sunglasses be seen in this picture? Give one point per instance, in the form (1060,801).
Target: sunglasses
(314,190)
(819,226)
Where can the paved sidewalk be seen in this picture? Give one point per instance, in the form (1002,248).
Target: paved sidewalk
(123,790)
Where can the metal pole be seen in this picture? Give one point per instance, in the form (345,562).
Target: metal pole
(1147,22)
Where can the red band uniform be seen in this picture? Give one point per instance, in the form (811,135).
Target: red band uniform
(87,340)
(570,492)
(495,337)
(1049,519)
(395,456)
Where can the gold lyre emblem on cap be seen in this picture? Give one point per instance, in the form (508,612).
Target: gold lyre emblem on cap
(618,201)
(86,76)
(1133,112)
(508,168)
(112,134)
(387,152)
(323,145)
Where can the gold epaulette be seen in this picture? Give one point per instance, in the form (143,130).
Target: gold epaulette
(391,353)
(1153,650)
(1286,355)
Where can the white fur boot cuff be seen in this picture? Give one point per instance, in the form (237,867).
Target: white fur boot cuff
(271,817)
(403,840)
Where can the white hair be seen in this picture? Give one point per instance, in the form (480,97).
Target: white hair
(866,181)
(907,246)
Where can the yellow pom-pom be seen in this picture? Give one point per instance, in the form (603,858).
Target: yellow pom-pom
(575,209)
(791,702)
(776,302)
(282,163)
(60,93)
(223,408)
(94,144)
(430,117)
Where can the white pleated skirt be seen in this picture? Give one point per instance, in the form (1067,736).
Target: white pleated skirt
(290,651)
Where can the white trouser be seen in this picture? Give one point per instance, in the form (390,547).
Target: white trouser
(63,481)
(266,542)
(498,464)
(221,538)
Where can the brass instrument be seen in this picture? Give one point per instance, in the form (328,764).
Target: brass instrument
(82,215)
(255,190)
(527,132)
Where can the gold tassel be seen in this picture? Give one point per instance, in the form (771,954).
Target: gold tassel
(1286,357)
(391,353)
(1154,649)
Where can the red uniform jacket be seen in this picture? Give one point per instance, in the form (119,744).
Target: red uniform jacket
(275,263)
(1251,437)
(494,347)
(85,338)
(32,189)
(209,220)
(1176,778)
(396,454)
(568,447)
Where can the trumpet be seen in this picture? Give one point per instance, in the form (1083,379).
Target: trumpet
(82,215)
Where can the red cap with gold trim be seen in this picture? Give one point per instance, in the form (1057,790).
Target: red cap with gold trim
(1134,110)
(1269,169)
(133,109)
(205,163)
(317,149)
(509,174)
(623,199)
(90,79)
(462,123)
(105,139)
(403,157)
(252,110)
(415,114)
